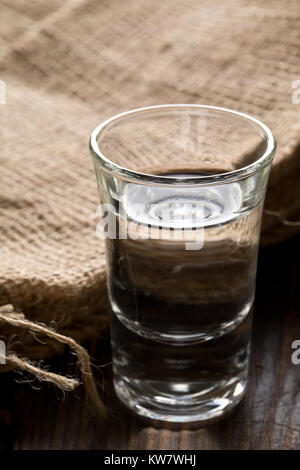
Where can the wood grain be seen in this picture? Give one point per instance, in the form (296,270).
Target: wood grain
(268,417)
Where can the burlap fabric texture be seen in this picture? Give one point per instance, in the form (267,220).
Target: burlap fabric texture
(66,66)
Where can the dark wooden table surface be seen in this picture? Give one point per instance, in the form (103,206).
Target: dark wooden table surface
(40,417)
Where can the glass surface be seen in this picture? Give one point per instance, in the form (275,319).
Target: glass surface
(182,187)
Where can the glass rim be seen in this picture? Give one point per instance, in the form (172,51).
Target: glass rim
(264,160)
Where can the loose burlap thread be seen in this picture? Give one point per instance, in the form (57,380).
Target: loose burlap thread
(66,66)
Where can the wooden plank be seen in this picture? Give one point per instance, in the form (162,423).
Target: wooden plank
(268,417)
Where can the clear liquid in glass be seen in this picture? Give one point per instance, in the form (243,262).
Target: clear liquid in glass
(181,319)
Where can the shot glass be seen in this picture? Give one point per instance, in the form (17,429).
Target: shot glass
(182,189)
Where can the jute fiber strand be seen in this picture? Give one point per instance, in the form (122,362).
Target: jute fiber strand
(66,66)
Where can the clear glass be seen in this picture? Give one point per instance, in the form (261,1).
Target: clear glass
(182,189)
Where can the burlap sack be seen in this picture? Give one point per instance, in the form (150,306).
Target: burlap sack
(67,66)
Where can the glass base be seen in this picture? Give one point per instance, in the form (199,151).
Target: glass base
(180,402)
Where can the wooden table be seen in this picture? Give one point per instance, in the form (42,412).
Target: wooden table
(268,417)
